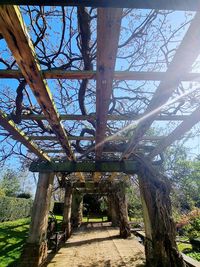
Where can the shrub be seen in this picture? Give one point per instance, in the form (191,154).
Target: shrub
(14,208)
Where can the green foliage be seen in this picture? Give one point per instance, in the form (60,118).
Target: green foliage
(10,183)
(2,192)
(134,202)
(184,175)
(12,237)
(14,208)
(192,230)
(194,254)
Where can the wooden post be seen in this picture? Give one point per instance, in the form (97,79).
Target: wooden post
(121,209)
(35,250)
(66,225)
(77,209)
(160,245)
(112,210)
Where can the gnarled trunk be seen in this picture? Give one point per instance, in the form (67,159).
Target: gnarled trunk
(160,245)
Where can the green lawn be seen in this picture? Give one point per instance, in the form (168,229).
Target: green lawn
(95,219)
(12,237)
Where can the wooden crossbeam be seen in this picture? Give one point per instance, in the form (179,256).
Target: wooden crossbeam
(124,117)
(190,5)
(185,56)
(91,138)
(20,136)
(118,75)
(15,33)
(108,30)
(127,166)
(178,133)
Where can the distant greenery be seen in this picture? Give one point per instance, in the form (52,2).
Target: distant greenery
(13,208)
(192,230)
(12,237)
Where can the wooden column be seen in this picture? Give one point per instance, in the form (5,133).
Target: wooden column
(160,245)
(66,225)
(77,209)
(122,209)
(35,250)
(112,210)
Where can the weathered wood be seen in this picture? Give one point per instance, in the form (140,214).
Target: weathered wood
(91,138)
(35,250)
(109,117)
(108,30)
(160,244)
(14,31)
(66,224)
(122,210)
(127,166)
(77,209)
(185,5)
(187,52)
(112,210)
(118,75)
(177,134)
(20,136)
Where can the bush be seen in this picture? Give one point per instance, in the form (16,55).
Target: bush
(14,208)
(192,230)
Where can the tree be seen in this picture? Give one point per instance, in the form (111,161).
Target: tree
(10,183)
(184,175)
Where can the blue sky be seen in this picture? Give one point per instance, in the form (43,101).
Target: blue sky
(174,20)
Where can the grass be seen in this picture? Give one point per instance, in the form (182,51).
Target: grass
(95,219)
(12,237)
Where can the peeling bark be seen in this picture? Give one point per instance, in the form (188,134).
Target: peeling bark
(160,245)
(77,209)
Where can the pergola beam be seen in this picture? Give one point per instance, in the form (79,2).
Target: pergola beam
(177,134)
(185,5)
(118,75)
(113,117)
(20,136)
(108,30)
(182,61)
(14,31)
(91,138)
(127,166)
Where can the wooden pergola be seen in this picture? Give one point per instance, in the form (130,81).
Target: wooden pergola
(132,157)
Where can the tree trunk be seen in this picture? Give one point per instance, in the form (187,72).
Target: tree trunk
(121,207)
(77,209)
(160,245)
(66,225)
(35,250)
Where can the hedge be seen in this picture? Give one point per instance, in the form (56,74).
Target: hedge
(12,208)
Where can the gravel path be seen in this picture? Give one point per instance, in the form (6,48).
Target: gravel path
(95,246)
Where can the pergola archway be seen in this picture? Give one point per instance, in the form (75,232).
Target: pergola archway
(103,150)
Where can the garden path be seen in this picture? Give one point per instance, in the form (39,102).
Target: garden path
(98,245)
